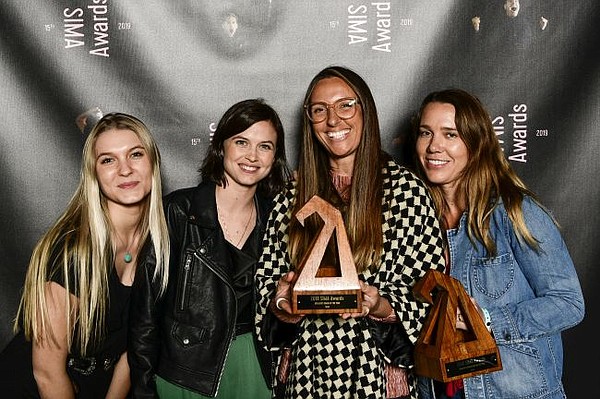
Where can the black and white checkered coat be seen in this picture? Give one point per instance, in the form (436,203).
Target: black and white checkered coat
(337,358)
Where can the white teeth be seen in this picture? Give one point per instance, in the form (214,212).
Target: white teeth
(248,168)
(437,162)
(338,135)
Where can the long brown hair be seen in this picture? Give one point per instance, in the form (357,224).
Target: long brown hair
(362,214)
(487,177)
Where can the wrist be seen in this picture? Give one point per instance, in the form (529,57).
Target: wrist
(487,320)
(383,311)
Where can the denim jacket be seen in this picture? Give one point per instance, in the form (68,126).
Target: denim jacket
(531,298)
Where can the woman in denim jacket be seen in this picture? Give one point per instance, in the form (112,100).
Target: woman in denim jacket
(503,246)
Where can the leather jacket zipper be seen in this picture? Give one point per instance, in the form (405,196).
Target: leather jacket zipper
(186,276)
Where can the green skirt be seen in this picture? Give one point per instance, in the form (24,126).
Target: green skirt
(242,377)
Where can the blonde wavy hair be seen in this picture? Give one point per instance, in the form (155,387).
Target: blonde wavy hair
(78,248)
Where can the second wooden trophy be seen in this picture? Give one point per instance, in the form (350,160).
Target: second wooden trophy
(444,352)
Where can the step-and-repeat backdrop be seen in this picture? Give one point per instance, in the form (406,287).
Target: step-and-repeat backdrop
(178,65)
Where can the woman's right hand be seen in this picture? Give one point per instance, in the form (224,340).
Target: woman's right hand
(280,304)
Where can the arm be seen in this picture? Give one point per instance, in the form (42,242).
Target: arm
(555,301)
(417,245)
(273,326)
(120,383)
(144,330)
(49,358)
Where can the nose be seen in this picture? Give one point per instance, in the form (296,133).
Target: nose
(251,154)
(125,168)
(435,144)
(332,117)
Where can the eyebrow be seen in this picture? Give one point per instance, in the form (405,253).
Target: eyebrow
(137,147)
(444,128)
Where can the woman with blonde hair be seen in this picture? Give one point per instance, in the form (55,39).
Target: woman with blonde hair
(72,321)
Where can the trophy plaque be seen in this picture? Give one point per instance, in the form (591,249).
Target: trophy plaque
(321,288)
(442,351)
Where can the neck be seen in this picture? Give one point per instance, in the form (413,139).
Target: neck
(236,214)
(454,208)
(342,166)
(234,200)
(125,219)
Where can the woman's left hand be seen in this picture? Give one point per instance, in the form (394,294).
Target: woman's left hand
(372,303)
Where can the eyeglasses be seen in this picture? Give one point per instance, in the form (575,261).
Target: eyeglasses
(344,108)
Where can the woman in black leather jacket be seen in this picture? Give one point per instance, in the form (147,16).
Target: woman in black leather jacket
(198,337)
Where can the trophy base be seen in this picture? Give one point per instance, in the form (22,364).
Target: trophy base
(484,363)
(446,370)
(326,302)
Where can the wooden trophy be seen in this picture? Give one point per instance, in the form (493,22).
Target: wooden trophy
(442,351)
(317,288)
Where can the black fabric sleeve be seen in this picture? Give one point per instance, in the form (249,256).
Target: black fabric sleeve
(144,329)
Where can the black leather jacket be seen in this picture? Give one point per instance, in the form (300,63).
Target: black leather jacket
(185,335)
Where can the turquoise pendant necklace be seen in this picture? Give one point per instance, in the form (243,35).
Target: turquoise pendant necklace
(127,257)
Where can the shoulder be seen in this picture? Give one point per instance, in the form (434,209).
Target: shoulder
(286,195)
(399,178)
(536,216)
(283,201)
(530,207)
(186,198)
(182,195)
(56,271)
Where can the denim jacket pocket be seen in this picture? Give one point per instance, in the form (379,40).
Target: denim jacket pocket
(523,374)
(493,277)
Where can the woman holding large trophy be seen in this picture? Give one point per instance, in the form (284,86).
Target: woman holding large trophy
(394,238)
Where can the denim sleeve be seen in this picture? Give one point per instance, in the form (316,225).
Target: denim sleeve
(556,301)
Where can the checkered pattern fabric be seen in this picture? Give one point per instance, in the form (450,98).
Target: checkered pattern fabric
(336,358)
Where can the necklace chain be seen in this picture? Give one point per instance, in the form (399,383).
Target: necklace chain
(127,257)
(226,230)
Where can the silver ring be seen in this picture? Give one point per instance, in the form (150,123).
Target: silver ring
(278,302)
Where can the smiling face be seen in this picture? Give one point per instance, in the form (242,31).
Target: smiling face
(123,167)
(249,156)
(440,149)
(340,137)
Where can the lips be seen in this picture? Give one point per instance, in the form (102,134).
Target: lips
(128,185)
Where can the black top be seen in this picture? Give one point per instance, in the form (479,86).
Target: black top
(242,275)
(91,375)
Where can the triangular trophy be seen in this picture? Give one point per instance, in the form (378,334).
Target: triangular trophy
(442,351)
(315,290)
